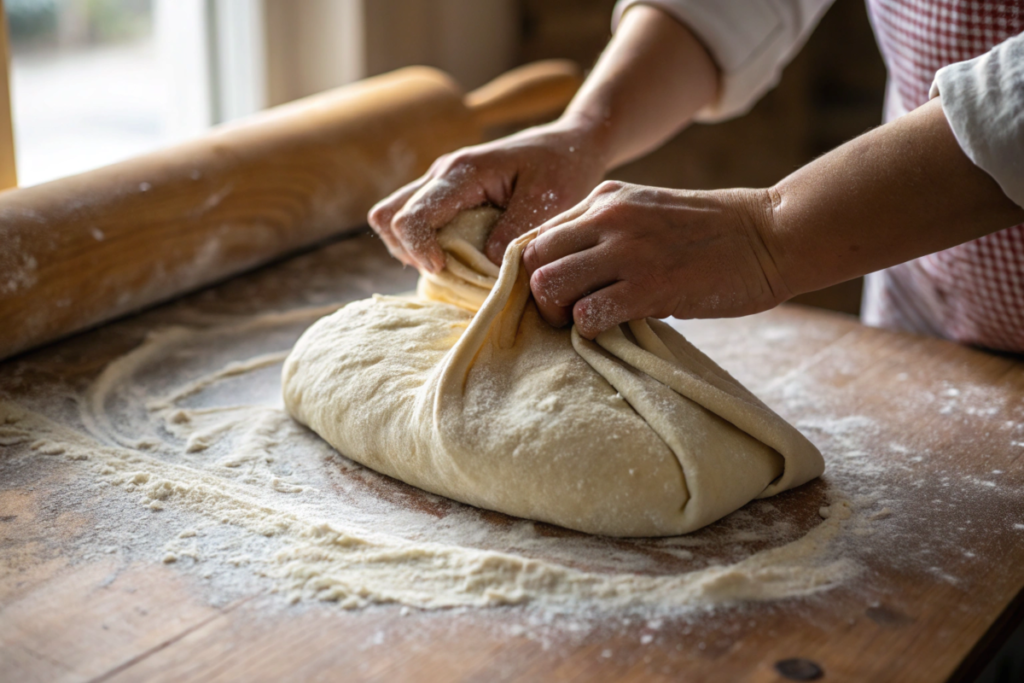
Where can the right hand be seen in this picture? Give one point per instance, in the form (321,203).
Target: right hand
(533,175)
(629,252)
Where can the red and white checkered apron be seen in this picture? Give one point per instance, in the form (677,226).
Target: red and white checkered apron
(972,293)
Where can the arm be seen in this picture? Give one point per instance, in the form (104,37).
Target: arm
(646,87)
(903,190)
(751,41)
(649,82)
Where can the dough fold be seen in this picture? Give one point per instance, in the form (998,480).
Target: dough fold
(466,392)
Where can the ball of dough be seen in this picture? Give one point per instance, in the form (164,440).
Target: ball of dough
(466,392)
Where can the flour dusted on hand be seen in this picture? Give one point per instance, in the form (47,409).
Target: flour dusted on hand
(466,392)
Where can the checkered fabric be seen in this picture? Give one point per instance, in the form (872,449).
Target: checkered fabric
(973,293)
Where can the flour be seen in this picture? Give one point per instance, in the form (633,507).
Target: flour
(179,453)
(21,274)
(234,488)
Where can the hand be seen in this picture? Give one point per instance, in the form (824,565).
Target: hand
(533,175)
(630,251)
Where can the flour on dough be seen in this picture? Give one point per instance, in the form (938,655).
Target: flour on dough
(466,392)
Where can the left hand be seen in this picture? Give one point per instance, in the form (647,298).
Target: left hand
(628,252)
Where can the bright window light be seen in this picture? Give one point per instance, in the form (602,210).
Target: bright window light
(86,84)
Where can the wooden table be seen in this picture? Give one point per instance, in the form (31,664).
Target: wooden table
(941,558)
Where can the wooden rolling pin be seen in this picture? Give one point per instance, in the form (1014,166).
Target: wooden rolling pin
(82,250)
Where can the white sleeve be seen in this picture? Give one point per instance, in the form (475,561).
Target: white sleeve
(751,41)
(983,99)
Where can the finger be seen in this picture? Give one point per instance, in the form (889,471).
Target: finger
(558,242)
(383,211)
(604,309)
(431,207)
(558,286)
(570,214)
(577,211)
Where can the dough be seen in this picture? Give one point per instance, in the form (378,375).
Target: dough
(636,434)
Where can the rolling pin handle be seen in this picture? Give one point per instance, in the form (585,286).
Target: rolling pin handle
(528,93)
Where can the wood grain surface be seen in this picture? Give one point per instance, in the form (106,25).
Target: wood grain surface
(938,428)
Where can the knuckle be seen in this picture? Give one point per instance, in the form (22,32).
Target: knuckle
(608,226)
(609,187)
(589,316)
(440,163)
(531,260)
(399,223)
(658,309)
(617,306)
(613,190)
(380,216)
(649,281)
(607,212)
(408,220)
(550,288)
(460,162)
(547,227)
(541,282)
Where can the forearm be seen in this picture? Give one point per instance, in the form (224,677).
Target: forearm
(650,81)
(903,190)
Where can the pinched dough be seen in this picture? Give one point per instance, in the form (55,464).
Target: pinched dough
(466,392)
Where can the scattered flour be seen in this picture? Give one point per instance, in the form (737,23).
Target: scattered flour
(190,426)
(182,454)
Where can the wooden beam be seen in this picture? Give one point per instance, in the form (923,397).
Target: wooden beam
(8,170)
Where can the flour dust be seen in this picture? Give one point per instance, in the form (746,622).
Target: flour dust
(184,449)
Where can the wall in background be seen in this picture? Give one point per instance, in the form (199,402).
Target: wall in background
(473,40)
(314,45)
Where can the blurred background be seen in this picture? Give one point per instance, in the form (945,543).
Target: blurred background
(96,81)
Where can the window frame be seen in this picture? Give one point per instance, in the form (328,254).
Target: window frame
(8,165)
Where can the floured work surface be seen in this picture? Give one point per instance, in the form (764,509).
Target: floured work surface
(162,517)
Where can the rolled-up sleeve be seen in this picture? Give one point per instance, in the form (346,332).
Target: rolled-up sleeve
(751,41)
(983,99)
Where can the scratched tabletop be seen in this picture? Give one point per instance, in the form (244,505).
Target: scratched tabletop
(922,435)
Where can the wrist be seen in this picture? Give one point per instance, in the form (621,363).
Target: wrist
(768,238)
(592,132)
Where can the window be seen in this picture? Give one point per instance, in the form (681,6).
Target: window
(85,84)
(97,81)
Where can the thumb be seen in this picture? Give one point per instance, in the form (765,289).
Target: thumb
(523,214)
